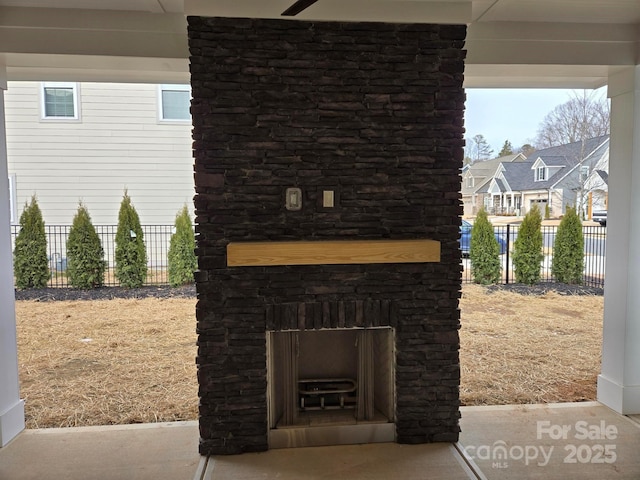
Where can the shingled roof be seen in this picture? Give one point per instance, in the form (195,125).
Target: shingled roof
(485,170)
(521,177)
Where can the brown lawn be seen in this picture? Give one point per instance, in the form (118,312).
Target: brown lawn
(130,361)
(529,349)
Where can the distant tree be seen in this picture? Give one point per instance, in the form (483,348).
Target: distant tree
(85,255)
(582,117)
(182,257)
(527,249)
(478,149)
(526,149)
(568,251)
(507,149)
(131,255)
(30,263)
(484,251)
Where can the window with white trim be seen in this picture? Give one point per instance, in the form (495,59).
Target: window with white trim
(174,102)
(13,212)
(470,181)
(584,172)
(60,101)
(541,174)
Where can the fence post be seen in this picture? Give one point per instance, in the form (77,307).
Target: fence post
(506,279)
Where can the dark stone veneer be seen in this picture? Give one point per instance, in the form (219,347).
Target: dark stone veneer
(373,111)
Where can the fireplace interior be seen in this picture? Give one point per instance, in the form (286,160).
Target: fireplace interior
(329,379)
(332,377)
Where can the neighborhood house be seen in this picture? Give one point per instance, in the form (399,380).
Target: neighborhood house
(553,178)
(69,142)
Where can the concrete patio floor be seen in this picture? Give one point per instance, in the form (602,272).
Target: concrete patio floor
(555,441)
(564,441)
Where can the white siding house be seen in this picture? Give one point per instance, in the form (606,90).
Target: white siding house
(71,142)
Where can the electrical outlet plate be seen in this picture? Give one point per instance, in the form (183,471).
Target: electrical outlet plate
(293,199)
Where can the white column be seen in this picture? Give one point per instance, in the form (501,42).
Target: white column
(11,407)
(619,382)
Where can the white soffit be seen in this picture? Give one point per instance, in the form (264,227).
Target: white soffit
(155,6)
(510,43)
(96,68)
(538,76)
(569,11)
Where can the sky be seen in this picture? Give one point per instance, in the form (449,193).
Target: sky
(511,114)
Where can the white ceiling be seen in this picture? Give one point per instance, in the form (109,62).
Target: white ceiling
(155,6)
(518,43)
(571,11)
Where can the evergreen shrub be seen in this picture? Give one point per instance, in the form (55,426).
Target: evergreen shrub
(85,256)
(484,251)
(131,255)
(527,251)
(182,257)
(30,263)
(568,251)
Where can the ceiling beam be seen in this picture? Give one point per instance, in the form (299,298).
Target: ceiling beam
(397,11)
(298,7)
(59,44)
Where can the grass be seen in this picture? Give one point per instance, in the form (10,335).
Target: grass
(131,361)
(107,362)
(529,349)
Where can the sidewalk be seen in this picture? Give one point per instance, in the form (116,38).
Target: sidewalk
(153,451)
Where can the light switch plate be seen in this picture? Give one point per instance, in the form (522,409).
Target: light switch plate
(328,199)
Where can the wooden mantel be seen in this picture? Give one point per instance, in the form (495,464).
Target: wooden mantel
(332,252)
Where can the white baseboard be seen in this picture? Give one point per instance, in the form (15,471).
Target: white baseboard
(11,423)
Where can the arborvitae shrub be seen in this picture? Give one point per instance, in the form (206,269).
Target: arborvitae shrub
(30,264)
(131,256)
(484,251)
(547,212)
(85,256)
(527,251)
(568,252)
(182,257)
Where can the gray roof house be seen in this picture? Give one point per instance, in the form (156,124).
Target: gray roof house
(477,175)
(597,184)
(552,177)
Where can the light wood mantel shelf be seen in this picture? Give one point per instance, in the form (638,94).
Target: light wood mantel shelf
(332,252)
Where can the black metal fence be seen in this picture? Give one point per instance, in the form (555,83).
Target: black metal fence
(156,239)
(595,238)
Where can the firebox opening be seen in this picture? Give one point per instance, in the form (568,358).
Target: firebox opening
(331,377)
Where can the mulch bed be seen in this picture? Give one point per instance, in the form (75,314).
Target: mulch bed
(189,291)
(106,293)
(543,288)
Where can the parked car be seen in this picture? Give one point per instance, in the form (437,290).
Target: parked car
(465,239)
(600,216)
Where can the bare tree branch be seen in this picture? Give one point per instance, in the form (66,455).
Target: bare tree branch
(584,116)
(478,148)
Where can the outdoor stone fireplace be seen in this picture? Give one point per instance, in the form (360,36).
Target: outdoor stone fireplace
(327,160)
